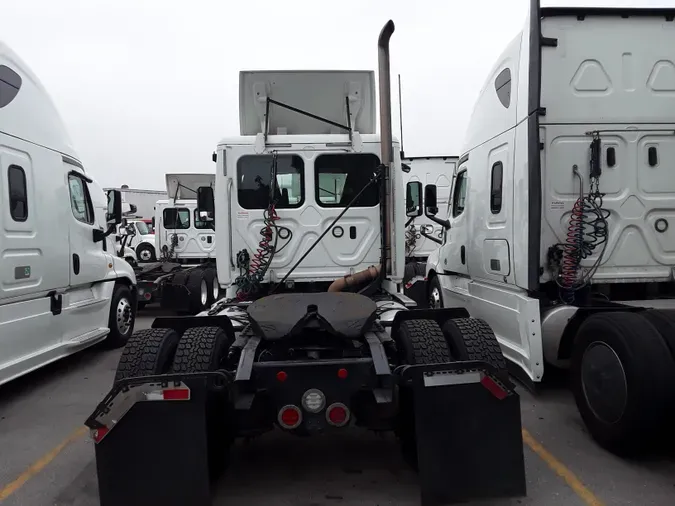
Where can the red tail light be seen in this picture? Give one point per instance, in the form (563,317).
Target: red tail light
(337,414)
(290,417)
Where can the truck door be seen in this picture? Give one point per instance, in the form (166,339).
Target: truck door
(455,249)
(33,255)
(85,302)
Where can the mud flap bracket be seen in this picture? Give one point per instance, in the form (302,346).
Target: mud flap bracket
(468,433)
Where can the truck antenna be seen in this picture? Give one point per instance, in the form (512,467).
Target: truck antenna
(400,114)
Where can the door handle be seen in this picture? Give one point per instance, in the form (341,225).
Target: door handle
(76,263)
(462,254)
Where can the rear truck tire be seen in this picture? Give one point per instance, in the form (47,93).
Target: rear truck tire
(212,285)
(199,290)
(203,349)
(122,317)
(622,377)
(435,294)
(664,322)
(146,253)
(418,342)
(147,352)
(473,339)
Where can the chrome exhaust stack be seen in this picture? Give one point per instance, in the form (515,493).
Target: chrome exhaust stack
(387,152)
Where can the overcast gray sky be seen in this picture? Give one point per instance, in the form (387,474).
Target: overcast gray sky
(148,87)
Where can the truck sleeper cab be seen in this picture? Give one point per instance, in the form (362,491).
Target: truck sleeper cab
(62,287)
(557,233)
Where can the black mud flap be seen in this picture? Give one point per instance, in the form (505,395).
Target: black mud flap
(157,452)
(468,433)
(416,289)
(175,297)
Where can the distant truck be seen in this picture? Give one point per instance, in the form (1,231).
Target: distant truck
(183,278)
(144,200)
(422,235)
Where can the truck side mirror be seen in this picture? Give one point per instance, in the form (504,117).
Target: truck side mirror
(413,199)
(430,200)
(431,206)
(153,223)
(114,213)
(205,203)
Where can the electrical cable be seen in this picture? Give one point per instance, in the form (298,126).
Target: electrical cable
(587,230)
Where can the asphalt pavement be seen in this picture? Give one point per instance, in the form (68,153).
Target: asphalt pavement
(47,458)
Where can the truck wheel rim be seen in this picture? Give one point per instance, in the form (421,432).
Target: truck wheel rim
(123,316)
(603,381)
(216,288)
(146,255)
(204,293)
(435,298)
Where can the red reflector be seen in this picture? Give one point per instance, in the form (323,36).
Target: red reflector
(282,376)
(147,295)
(342,373)
(289,417)
(98,434)
(494,388)
(337,414)
(176,394)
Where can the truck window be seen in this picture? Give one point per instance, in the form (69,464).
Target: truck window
(253,181)
(176,219)
(142,228)
(18,193)
(338,178)
(503,87)
(202,225)
(10,83)
(496,188)
(80,201)
(459,195)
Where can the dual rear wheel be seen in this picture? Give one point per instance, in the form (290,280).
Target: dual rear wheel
(423,342)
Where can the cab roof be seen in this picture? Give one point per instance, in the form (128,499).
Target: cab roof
(26,109)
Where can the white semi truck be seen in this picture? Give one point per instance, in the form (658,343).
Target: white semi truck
(183,278)
(62,287)
(422,235)
(558,233)
(314,203)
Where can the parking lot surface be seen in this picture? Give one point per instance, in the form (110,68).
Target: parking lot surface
(47,458)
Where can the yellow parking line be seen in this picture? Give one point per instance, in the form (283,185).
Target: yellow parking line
(561,470)
(39,464)
(558,467)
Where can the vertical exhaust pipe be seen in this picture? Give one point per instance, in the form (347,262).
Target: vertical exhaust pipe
(386,144)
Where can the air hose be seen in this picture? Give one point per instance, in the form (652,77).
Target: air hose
(587,229)
(253,274)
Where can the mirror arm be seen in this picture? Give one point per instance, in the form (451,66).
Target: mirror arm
(431,238)
(444,223)
(100,235)
(410,220)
